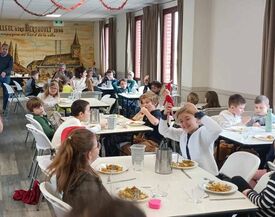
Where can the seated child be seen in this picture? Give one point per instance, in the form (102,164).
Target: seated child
(150,115)
(232,116)
(197,135)
(260,111)
(123,86)
(31,88)
(35,106)
(80,111)
(193,98)
(66,87)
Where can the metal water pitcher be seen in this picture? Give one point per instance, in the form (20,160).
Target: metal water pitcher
(163,159)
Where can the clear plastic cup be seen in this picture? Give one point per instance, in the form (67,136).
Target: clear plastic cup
(112,121)
(137,152)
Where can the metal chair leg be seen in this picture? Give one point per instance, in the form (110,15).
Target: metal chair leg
(28,132)
(33,160)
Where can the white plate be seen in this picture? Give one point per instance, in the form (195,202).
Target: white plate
(237,128)
(264,137)
(135,123)
(103,165)
(233,189)
(128,199)
(173,165)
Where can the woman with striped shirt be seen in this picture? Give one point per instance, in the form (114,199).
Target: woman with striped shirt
(265,200)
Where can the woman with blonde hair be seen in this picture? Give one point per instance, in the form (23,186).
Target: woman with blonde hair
(50,97)
(74,176)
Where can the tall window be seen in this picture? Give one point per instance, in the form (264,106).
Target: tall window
(138,42)
(169,45)
(106,47)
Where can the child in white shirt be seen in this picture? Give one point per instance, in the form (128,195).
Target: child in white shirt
(232,116)
(196,141)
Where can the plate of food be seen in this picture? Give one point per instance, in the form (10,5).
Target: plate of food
(237,128)
(133,194)
(184,164)
(111,168)
(219,187)
(135,123)
(268,138)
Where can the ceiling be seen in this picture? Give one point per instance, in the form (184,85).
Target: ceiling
(90,10)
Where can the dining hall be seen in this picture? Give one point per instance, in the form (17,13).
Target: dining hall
(148,108)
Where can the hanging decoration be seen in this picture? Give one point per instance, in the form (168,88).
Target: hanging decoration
(33,13)
(112,8)
(60,6)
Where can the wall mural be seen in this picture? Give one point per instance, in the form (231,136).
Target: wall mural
(38,45)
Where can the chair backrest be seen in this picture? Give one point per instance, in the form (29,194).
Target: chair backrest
(271,165)
(91,94)
(262,183)
(140,89)
(213,111)
(241,163)
(106,96)
(18,86)
(9,89)
(110,102)
(65,95)
(42,141)
(34,122)
(61,209)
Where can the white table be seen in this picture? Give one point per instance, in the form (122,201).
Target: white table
(246,138)
(66,103)
(177,202)
(105,88)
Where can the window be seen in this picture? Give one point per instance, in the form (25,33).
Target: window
(106,47)
(138,42)
(169,45)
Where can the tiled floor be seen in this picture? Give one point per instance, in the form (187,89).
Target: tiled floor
(15,158)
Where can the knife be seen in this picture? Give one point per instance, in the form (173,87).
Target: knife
(122,180)
(232,198)
(185,173)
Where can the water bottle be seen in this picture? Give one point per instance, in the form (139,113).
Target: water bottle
(268,121)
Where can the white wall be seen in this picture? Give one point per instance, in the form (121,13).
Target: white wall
(236,45)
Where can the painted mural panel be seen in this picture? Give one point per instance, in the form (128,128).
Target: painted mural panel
(41,45)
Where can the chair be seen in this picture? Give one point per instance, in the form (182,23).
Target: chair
(19,89)
(65,95)
(42,143)
(271,165)
(106,96)
(242,164)
(110,102)
(34,122)
(14,97)
(28,132)
(213,111)
(141,89)
(262,182)
(61,209)
(91,94)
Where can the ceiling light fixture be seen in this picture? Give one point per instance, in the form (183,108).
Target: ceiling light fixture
(112,8)
(53,15)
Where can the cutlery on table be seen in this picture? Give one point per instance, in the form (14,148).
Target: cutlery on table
(122,180)
(185,173)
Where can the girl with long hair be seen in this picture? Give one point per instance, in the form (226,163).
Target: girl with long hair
(74,176)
